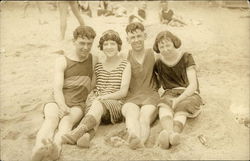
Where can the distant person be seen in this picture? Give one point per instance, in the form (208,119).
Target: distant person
(85,7)
(139,14)
(65,106)
(167,15)
(105,8)
(175,71)
(63,9)
(119,10)
(105,102)
(38,5)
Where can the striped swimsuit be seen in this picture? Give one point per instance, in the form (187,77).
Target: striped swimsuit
(108,82)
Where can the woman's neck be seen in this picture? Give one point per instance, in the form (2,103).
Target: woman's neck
(112,59)
(172,59)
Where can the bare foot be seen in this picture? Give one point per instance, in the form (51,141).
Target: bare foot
(174,138)
(135,142)
(84,141)
(38,153)
(163,139)
(55,151)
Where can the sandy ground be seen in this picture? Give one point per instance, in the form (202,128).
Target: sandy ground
(218,38)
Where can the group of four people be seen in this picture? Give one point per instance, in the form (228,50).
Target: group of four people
(89,91)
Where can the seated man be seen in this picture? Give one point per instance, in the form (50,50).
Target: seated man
(73,74)
(140,107)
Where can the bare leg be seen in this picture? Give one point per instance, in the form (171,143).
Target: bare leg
(131,112)
(65,125)
(147,115)
(63,9)
(46,131)
(166,120)
(26,5)
(76,12)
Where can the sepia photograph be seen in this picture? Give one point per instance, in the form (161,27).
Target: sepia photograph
(124,80)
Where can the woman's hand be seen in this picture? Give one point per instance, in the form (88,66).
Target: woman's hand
(175,101)
(63,111)
(101,98)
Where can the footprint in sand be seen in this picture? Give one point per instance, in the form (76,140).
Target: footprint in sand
(12,135)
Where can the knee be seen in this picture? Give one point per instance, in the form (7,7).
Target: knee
(130,110)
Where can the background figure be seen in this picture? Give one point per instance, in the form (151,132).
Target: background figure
(119,10)
(139,14)
(38,5)
(85,7)
(167,15)
(105,8)
(63,9)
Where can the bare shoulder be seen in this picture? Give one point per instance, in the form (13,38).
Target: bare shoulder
(95,59)
(60,62)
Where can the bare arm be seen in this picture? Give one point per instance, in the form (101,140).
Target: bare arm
(93,81)
(58,83)
(191,88)
(126,76)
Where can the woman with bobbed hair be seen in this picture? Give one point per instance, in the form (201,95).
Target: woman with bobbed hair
(175,71)
(104,103)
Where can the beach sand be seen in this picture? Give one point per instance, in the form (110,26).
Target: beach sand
(217,37)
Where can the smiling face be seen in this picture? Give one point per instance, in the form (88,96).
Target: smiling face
(83,47)
(166,47)
(136,40)
(110,48)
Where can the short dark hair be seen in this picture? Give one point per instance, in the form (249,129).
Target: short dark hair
(132,27)
(166,35)
(84,31)
(110,35)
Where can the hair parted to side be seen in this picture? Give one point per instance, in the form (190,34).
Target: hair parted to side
(84,31)
(166,35)
(110,35)
(132,27)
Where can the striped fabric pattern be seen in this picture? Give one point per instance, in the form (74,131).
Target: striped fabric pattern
(76,81)
(108,82)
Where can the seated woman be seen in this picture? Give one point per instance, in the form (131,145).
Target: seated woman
(104,103)
(175,71)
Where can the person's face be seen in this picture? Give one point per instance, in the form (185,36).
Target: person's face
(136,39)
(166,47)
(164,6)
(83,47)
(110,48)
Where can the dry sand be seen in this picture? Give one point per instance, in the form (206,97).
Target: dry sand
(218,38)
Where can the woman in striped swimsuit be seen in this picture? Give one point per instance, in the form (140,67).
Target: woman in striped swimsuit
(105,101)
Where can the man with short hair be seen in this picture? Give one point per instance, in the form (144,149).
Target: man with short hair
(73,74)
(140,107)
